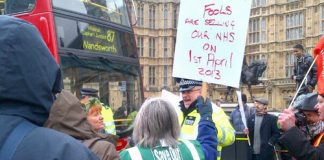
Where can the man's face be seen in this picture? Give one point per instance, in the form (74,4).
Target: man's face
(260,107)
(311,117)
(297,52)
(320,106)
(84,99)
(190,96)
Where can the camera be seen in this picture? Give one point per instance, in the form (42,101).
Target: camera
(300,119)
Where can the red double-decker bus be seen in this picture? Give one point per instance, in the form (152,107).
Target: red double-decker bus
(94,43)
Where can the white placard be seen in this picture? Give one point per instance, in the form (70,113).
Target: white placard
(211,39)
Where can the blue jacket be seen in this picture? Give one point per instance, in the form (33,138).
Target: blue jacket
(236,119)
(29,79)
(207,137)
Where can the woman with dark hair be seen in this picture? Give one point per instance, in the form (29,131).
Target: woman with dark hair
(296,142)
(157,130)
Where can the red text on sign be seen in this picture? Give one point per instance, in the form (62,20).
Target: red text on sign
(199,34)
(210,10)
(225,36)
(192,21)
(214,22)
(208,72)
(209,47)
(194,59)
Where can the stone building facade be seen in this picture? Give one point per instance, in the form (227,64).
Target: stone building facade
(275,26)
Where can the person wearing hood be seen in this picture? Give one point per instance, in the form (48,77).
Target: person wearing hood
(29,80)
(93,108)
(106,111)
(69,116)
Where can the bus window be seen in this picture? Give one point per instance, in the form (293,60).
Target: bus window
(111,10)
(94,38)
(16,6)
(118,84)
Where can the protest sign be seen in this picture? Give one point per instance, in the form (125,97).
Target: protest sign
(211,39)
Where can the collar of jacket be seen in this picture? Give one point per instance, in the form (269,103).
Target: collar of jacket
(191,108)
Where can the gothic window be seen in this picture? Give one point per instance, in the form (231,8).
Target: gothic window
(294,26)
(165,76)
(140,15)
(165,47)
(258,3)
(151,75)
(152,16)
(165,16)
(152,47)
(289,65)
(254,31)
(140,46)
(175,17)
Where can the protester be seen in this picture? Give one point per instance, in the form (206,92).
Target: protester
(106,111)
(235,116)
(67,115)
(93,109)
(157,130)
(297,143)
(189,116)
(310,122)
(262,129)
(29,80)
(303,63)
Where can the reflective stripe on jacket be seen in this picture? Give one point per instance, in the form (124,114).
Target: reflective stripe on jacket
(318,139)
(186,150)
(225,135)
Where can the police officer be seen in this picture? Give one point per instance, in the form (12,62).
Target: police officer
(189,116)
(106,111)
(301,67)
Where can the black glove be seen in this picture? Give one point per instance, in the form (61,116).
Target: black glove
(204,108)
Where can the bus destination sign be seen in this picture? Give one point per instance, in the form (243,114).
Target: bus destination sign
(99,39)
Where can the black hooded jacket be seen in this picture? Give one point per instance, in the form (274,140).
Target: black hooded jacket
(300,69)
(29,79)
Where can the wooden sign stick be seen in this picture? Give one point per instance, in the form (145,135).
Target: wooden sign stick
(204,90)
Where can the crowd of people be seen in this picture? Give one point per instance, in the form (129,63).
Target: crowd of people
(39,120)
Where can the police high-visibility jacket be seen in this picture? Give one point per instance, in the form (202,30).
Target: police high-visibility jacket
(108,118)
(189,118)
